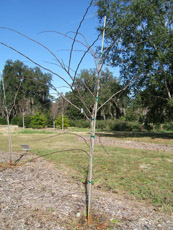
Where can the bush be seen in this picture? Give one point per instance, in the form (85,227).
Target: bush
(80,123)
(157,126)
(38,121)
(130,115)
(3,121)
(114,125)
(17,121)
(168,126)
(120,125)
(58,122)
(148,126)
(27,121)
(104,124)
(135,126)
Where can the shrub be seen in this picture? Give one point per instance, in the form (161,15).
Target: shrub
(83,124)
(80,123)
(27,121)
(38,121)
(114,125)
(49,121)
(130,115)
(135,126)
(58,122)
(168,126)
(120,125)
(148,126)
(104,124)
(157,126)
(3,121)
(17,121)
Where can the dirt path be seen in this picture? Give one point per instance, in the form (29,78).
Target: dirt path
(130,144)
(37,195)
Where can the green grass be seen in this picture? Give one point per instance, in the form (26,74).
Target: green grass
(31,131)
(147,175)
(76,129)
(148,137)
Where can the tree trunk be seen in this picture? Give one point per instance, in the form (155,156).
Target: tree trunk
(23,116)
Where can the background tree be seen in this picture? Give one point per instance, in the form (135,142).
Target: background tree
(86,83)
(54,111)
(32,87)
(139,41)
(13,76)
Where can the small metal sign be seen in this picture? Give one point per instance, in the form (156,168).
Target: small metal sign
(25,147)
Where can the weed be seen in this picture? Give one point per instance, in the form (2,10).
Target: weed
(114,221)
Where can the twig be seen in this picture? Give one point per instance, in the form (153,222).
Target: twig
(77,32)
(59,151)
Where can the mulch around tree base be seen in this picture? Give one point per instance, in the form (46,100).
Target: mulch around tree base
(37,195)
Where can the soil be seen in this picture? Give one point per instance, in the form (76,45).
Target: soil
(130,144)
(38,195)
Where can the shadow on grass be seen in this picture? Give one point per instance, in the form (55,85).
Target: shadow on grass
(125,134)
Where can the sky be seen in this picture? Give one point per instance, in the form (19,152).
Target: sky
(35,18)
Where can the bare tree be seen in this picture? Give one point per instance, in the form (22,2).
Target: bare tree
(99,59)
(8,112)
(54,111)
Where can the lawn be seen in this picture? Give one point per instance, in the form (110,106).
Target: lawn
(143,174)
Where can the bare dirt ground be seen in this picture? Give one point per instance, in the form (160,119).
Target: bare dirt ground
(37,195)
(130,144)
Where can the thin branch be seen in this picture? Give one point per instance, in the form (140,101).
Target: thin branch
(163,71)
(62,50)
(36,63)
(118,92)
(59,151)
(56,90)
(77,33)
(93,53)
(103,147)
(85,55)
(68,132)
(70,102)
(15,97)
(89,48)
(52,63)
(40,44)
(65,35)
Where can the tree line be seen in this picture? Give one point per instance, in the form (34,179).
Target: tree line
(138,40)
(33,99)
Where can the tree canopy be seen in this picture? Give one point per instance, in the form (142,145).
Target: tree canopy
(27,89)
(86,83)
(139,39)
